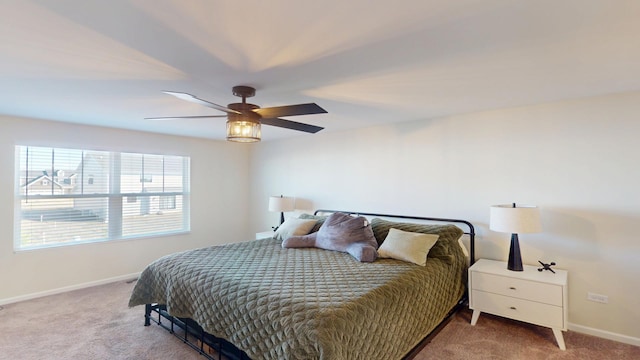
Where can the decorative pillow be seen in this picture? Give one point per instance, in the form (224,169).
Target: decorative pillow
(319,220)
(292,227)
(407,246)
(341,232)
(463,247)
(449,235)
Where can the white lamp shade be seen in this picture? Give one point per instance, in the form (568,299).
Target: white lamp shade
(515,220)
(281,204)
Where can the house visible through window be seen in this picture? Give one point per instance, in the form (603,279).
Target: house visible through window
(97,196)
(168,202)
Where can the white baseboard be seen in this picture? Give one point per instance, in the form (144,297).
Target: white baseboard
(68,288)
(605,334)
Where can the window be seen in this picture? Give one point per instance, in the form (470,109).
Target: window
(97,196)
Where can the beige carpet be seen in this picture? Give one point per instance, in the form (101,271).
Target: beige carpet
(494,337)
(96,323)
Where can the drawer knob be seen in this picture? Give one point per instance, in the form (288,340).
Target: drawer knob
(512,307)
(511,288)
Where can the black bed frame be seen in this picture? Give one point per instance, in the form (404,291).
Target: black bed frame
(194,336)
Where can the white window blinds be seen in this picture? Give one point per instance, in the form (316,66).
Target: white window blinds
(70,196)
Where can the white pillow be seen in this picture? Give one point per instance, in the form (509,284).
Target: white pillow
(461,242)
(294,227)
(407,246)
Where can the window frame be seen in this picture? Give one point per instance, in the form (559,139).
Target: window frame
(115,199)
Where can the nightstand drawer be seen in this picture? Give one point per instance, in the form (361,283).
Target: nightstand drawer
(519,309)
(518,288)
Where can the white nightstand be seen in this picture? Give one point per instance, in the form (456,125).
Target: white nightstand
(265,234)
(531,296)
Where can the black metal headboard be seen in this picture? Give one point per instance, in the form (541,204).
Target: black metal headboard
(471,232)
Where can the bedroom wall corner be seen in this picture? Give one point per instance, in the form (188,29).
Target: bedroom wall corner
(219,179)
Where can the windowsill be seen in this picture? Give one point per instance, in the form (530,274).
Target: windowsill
(105,241)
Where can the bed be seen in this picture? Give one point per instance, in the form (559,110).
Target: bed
(257,300)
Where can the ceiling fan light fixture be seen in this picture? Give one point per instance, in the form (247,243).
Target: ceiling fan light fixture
(242,130)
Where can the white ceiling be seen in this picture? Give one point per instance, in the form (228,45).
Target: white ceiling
(366,62)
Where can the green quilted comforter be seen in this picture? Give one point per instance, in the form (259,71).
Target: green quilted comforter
(277,303)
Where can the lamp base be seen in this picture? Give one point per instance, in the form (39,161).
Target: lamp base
(515,260)
(281,222)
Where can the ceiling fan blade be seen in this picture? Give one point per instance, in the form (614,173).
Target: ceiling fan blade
(193,99)
(293,125)
(291,110)
(185,117)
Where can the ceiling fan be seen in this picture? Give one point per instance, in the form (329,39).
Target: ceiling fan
(244,119)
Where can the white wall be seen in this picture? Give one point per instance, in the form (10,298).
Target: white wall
(219,179)
(579,161)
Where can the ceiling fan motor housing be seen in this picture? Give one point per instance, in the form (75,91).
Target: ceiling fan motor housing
(247,112)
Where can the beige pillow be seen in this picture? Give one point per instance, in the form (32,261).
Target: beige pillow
(407,246)
(294,227)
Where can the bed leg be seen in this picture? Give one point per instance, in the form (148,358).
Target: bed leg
(147,314)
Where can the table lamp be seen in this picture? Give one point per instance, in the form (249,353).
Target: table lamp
(514,219)
(281,204)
